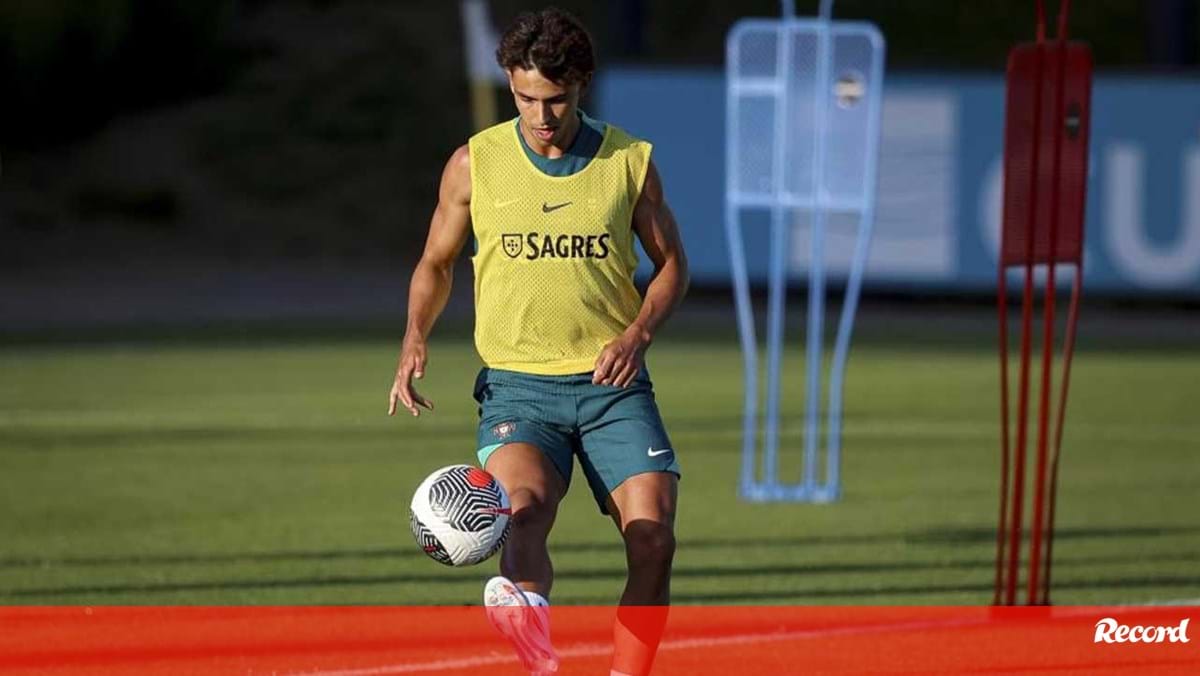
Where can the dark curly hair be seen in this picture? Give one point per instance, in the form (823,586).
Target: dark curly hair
(552,41)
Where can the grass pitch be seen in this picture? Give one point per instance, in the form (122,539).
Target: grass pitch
(266,472)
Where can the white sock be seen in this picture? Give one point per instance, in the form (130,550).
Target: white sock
(537,600)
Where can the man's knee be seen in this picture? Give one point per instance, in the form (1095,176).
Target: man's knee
(649,544)
(531,511)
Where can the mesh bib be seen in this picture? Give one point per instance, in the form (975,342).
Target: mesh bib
(555,255)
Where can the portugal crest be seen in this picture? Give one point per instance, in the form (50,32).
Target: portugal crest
(504,429)
(512,245)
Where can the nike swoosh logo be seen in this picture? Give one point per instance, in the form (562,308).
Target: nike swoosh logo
(652,453)
(499,204)
(546,208)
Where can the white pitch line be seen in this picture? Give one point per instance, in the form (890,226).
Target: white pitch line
(440,665)
(598,649)
(1175,602)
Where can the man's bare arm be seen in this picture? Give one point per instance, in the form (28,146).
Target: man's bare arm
(433,277)
(659,233)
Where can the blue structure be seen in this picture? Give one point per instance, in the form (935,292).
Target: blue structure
(802,130)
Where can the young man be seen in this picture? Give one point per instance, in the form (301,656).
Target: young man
(554,200)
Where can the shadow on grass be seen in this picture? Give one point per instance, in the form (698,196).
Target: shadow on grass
(963,536)
(937,536)
(204,559)
(984,590)
(616,574)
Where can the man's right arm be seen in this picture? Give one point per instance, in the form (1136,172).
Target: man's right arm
(431,280)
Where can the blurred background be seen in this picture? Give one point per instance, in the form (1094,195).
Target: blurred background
(258,159)
(209,212)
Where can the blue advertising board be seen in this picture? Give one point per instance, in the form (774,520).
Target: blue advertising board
(940,179)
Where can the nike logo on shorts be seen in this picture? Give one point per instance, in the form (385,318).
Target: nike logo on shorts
(652,453)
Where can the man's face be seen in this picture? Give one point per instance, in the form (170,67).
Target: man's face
(547,108)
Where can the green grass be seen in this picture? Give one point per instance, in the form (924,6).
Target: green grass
(158,473)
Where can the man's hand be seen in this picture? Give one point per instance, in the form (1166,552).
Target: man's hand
(412,364)
(620,360)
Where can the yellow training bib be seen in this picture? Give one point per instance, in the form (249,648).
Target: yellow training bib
(555,255)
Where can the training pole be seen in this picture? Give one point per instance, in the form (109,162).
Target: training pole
(1047,126)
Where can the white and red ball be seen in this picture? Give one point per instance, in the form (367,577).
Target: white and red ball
(460,515)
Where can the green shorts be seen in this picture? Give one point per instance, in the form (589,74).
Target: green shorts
(615,432)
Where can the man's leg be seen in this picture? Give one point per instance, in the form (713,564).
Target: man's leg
(517,602)
(534,489)
(643,507)
(632,469)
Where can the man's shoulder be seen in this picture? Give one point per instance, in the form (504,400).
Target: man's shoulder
(460,159)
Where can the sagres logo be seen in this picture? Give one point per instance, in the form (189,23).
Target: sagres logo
(1109,630)
(535,245)
(512,245)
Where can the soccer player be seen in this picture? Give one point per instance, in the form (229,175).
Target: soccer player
(554,200)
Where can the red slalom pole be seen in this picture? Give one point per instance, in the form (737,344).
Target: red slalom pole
(1018,482)
(1068,352)
(1001,530)
(1048,318)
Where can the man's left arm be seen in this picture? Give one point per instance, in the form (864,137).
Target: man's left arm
(655,226)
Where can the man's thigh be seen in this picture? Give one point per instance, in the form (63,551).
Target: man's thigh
(514,417)
(648,498)
(622,437)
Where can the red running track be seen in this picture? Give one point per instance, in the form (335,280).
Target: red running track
(370,641)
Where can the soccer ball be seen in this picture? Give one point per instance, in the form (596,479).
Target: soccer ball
(460,515)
